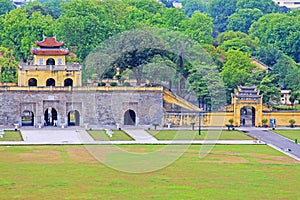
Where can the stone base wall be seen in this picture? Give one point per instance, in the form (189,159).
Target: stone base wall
(94,107)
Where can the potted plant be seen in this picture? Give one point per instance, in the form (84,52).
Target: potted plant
(264,122)
(292,122)
(230,124)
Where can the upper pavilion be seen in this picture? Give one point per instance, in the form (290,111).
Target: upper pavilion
(49,66)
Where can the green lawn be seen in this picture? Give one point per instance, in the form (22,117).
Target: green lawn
(190,135)
(100,135)
(291,134)
(70,172)
(11,136)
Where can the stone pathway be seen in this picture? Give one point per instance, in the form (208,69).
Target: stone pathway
(274,140)
(56,136)
(140,135)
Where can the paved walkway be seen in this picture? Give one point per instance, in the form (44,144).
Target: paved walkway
(56,136)
(140,135)
(274,140)
(52,135)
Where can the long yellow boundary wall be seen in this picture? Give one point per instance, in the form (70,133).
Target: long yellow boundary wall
(282,118)
(221,118)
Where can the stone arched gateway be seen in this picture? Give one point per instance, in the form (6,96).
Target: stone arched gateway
(130,118)
(247,99)
(73,118)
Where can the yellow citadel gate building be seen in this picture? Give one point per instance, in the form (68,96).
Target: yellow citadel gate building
(49,66)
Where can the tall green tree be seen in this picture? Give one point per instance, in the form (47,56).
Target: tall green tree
(237,69)
(243,18)
(190,6)
(220,10)
(199,27)
(270,90)
(231,40)
(8,66)
(266,6)
(174,19)
(54,5)
(280,30)
(20,30)
(5,6)
(85,23)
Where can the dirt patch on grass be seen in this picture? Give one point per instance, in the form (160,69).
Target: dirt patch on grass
(268,159)
(41,156)
(81,155)
(36,156)
(221,158)
(234,157)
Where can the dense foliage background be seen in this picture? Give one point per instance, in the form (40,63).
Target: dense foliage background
(232,32)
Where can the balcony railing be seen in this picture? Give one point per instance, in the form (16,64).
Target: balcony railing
(69,67)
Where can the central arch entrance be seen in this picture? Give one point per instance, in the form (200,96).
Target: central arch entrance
(27,118)
(50,61)
(32,82)
(73,118)
(129,118)
(50,82)
(247,116)
(50,117)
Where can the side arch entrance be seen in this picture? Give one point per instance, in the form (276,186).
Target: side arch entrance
(129,118)
(32,82)
(68,82)
(27,118)
(50,117)
(73,118)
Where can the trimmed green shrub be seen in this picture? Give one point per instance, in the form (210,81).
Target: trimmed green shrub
(113,84)
(101,84)
(126,84)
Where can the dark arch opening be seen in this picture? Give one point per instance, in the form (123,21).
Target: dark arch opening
(73,118)
(129,117)
(27,118)
(247,116)
(68,82)
(32,82)
(50,82)
(50,61)
(50,117)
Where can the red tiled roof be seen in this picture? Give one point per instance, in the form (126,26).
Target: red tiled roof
(49,42)
(52,52)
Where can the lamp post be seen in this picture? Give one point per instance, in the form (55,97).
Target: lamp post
(199,127)
(199,120)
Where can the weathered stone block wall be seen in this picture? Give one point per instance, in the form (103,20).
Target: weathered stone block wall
(94,107)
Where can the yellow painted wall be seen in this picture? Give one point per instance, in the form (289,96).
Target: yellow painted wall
(220,119)
(43,75)
(36,59)
(208,119)
(282,118)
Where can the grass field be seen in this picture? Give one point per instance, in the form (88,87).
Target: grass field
(11,136)
(70,172)
(291,134)
(189,134)
(100,135)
